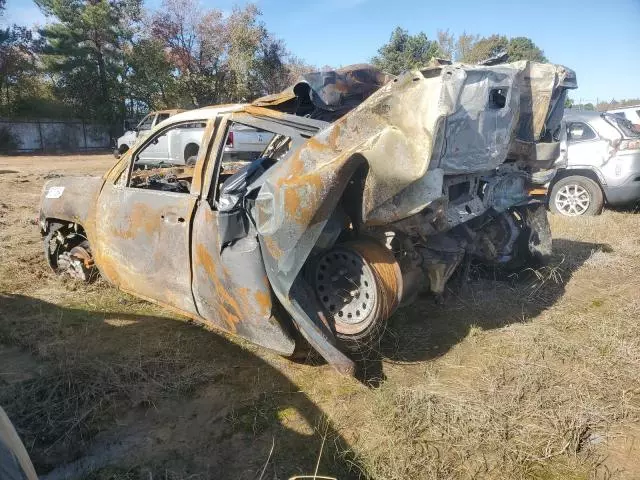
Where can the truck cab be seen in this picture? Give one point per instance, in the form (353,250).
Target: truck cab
(358,203)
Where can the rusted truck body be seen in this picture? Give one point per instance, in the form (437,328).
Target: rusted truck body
(372,189)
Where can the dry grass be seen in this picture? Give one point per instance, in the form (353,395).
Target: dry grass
(539,399)
(532,404)
(85,381)
(535,376)
(105,386)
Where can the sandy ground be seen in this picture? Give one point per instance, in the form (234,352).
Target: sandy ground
(38,164)
(512,378)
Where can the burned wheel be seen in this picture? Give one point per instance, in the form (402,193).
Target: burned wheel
(77,263)
(358,285)
(534,245)
(69,254)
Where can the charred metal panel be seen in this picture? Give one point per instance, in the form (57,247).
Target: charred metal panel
(484,104)
(453,119)
(543,90)
(141,242)
(541,86)
(231,288)
(327,95)
(391,132)
(70,198)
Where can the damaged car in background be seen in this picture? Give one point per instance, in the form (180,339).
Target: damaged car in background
(372,189)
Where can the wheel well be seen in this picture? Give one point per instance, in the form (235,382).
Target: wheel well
(579,172)
(190,150)
(65,227)
(352,196)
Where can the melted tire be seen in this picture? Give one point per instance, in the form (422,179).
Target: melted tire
(533,247)
(51,246)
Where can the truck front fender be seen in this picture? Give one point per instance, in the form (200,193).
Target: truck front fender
(70,199)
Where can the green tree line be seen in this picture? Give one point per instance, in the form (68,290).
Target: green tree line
(107,60)
(404,51)
(602,106)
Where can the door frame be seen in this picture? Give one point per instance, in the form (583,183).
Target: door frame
(113,262)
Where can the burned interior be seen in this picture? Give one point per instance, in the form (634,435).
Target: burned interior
(371,189)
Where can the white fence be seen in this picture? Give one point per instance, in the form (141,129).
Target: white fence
(56,135)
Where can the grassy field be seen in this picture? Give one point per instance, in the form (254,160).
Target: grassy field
(534,376)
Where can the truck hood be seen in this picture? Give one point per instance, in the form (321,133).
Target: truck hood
(129,137)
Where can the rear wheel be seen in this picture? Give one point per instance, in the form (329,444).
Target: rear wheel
(575,196)
(121,150)
(358,285)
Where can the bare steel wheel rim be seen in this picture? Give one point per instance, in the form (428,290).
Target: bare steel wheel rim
(572,200)
(346,288)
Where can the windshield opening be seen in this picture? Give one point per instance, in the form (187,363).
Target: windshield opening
(146,123)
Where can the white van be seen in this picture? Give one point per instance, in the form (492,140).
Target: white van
(630,113)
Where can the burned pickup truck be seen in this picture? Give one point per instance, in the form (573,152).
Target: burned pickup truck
(372,189)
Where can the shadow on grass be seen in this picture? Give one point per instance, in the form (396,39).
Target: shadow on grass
(150,394)
(426,330)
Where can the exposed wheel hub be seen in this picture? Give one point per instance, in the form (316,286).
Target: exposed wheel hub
(76,263)
(345,285)
(572,200)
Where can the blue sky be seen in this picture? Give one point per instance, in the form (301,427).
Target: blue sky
(599,39)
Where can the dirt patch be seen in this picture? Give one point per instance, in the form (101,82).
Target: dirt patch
(623,452)
(530,376)
(17,365)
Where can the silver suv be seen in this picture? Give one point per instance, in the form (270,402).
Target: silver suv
(602,164)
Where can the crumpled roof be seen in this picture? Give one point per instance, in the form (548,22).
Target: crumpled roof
(327,95)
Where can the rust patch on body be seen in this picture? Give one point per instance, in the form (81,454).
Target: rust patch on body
(263,299)
(229,307)
(273,246)
(141,219)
